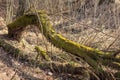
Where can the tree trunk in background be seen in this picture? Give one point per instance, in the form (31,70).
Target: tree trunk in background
(9,15)
(24,5)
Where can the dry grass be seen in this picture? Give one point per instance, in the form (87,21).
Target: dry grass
(83,22)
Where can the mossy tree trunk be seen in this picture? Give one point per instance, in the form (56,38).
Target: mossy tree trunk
(92,56)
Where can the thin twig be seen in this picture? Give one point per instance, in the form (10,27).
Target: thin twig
(14,75)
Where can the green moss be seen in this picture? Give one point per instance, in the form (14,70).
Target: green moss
(43,53)
(67,45)
(23,21)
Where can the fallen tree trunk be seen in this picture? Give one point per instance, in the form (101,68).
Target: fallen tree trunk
(92,56)
(16,28)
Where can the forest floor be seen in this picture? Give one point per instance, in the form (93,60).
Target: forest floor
(84,32)
(13,69)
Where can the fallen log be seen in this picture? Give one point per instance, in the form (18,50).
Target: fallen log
(92,56)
